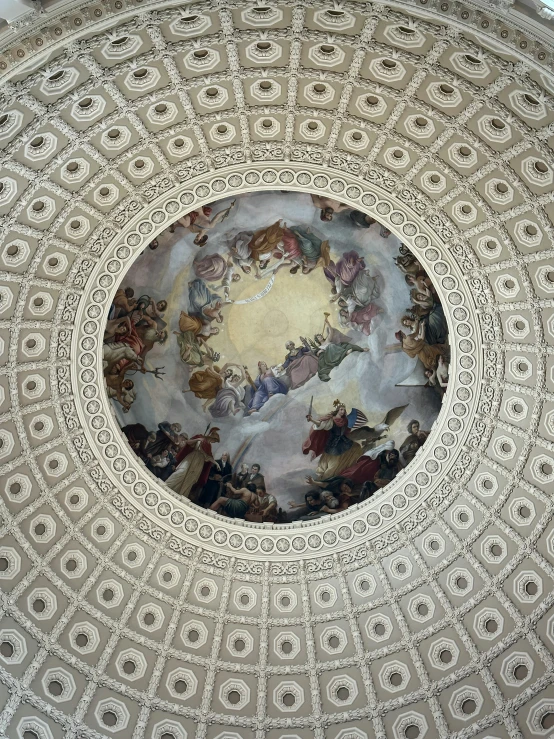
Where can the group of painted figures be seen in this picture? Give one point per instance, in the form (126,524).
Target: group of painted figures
(230,390)
(190,468)
(427,339)
(135,325)
(351,466)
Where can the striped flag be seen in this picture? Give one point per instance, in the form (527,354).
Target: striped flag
(356,419)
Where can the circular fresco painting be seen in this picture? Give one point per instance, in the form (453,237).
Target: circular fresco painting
(276,357)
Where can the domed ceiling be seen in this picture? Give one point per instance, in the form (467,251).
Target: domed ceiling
(364,169)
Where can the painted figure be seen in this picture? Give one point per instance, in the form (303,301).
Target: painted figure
(331,348)
(208,384)
(123,303)
(192,337)
(215,268)
(300,364)
(194,462)
(266,386)
(413,442)
(204,303)
(351,316)
(389,467)
(335,503)
(236,502)
(330,440)
(220,473)
(198,222)
(229,400)
(414,345)
(328,207)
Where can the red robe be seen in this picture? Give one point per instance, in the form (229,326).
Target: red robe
(187,449)
(363,470)
(317,440)
(135,342)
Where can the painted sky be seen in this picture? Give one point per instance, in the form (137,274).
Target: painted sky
(294,307)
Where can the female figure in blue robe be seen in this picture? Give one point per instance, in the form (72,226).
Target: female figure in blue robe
(266,385)
(204,303)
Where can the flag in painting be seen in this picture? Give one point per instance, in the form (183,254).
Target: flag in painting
(356,419)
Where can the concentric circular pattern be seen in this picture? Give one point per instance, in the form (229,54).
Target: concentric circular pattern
(425,613)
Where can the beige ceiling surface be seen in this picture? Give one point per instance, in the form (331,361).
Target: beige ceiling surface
(427,612)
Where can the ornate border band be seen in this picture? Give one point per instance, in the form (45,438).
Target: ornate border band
(342,531)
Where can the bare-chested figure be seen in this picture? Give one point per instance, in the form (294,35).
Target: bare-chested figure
(237,502)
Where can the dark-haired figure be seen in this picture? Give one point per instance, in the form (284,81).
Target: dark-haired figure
(236,502)
(267,510)
(120,389)
(123,303)
(255,477)
(328,207)
(152,309)
(438,378)
(116,328)
(165,437)
(137,435)
(388,469)
(413,442)
(311,505)
(407,262)
(220,473)
(360,219)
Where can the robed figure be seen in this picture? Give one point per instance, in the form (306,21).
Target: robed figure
(265,386)
(221,472)
(340,440)
(331,348)
(194,462)
(300,364)
(330,440)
